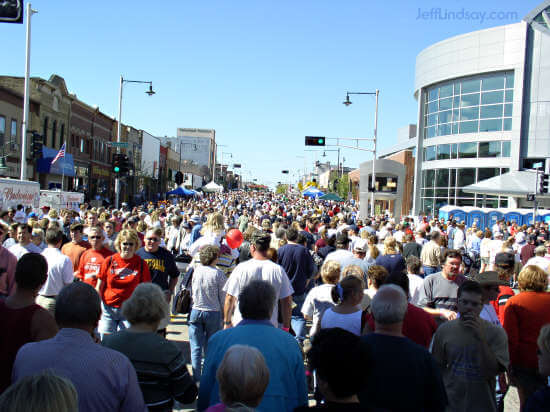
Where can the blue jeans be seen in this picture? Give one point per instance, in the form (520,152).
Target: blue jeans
(202,325)
(111,320)
(297,320)
(428,270)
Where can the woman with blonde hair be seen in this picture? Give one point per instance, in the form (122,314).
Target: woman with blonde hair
(392,260)
(212,233)
(524,316)
(373,251)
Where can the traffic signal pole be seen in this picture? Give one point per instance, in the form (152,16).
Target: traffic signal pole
(119,131)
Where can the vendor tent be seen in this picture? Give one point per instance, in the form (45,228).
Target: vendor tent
(181,191)
(312,192)
(331,196)
(212,187)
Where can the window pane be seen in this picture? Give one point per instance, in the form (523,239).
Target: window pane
(432,107)
(484,173)
(445,104)
(428,192)
(468,127)
(469,86)
(456,101)
(429,153)
(503,202)
(442,193)
(455,128)
(445,117)
(504,170)
(454,151)
(430,132)
(493,125)
(13,128)
(467,150)
(443,152)
(427,205)
(508,110)
(432,119)
(446,91)
(506,149)
(507,124)
(452,180)
(464,202)
(488,112)
(442,179)
(470,113)
(495,82)
(430,177)
(432,94)
(469,100)
(489,149)
(509,96)
(444,129)
(492,97)
(509,80)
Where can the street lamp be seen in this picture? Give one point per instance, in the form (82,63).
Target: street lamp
(347,102)
(150,92)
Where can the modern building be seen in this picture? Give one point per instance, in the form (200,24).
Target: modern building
(483,111)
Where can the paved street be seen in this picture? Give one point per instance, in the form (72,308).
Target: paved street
(177,332)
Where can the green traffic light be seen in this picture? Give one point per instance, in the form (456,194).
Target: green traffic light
(321,141)
(117,169)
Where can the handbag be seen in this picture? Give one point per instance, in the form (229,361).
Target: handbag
(183,297)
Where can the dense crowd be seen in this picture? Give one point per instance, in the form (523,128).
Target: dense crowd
(295,304)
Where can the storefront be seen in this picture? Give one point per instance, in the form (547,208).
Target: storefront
(100,183)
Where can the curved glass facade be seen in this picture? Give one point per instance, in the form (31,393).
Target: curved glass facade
(472,104)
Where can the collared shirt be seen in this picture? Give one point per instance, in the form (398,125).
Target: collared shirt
(7,279)
(19,250)
(431,254)
(104,379)
(60,272)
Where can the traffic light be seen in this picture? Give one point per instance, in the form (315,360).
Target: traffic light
(117,163)
(36,146)
(179,178)
(124,165)
(543,183)
(315,141)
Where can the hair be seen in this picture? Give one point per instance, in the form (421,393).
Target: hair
(271,254)
(435,235)
(292,234)
(532,278)
(243,376)
(77,227)
(261,241)
(408,237)
(127,234)
(54,224)
(354,270)
(43,392)
(390,246)
(399,279)
(452,254)
(469,286)
(43,223)
(214,224)
(339,359)
(414,264)
(257,300)
(346,288)
(543,340)
(78,304)
(373,249)
(208,254)
(53,236)
(377,275)
(142,227)
(146,305)
(31,271)
(389,305)
(24,226)
(330,272)
(504,271)
(36,232)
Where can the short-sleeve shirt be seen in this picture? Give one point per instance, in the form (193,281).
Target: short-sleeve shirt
(90,264)
(162,266)
(438,292)
(317,301)
(255,269)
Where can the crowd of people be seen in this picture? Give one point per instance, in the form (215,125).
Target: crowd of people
(296,304)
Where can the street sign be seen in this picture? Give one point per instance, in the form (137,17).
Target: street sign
(237,165)
(118,144)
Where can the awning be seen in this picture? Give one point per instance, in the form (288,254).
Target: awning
(515,184)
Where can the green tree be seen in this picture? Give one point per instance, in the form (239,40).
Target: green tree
(281,189)
(343,187)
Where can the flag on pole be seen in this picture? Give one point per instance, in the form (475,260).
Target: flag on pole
(59,154)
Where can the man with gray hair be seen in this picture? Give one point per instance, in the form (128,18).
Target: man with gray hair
(410,381)
(287,387)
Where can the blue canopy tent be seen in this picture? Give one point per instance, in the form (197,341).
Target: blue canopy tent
(312,192)
(181,191)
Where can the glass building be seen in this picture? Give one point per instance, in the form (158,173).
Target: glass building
(483,111)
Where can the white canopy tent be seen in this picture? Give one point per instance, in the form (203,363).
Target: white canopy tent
(212,187)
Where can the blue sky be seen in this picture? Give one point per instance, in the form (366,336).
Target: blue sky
(262,73)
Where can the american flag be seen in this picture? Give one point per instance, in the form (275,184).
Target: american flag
(59,154)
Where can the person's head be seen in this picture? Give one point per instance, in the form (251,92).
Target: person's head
(214,224)
(414,265)
(490,285)
(339,359)
(257,300)
(435,236)
(76,230)
(31,272)
(470,295)
(43,392)
(109,227)
(330,272)
(54,237)
(37,236)
(342,241)
(400,279)
(360,249)
(389,305)
(348,290)
(271,254)
(452,261)
(242,376)
(259,243)
(24,234)
(127,242)
(543,352)
(152,239)
(540,250)
(147,305)
(377,275)
(532,278)
(292,235)
(390,246)
(78,306)
(209,255)
(354,270)
(91,219)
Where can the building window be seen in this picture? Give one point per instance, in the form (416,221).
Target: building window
(469,105)
(62,135)
(45,131)
(54,132)
(489,149)
(14,129)
(467,150)
(2,129)
(443,151)
(81,145)
(429,153)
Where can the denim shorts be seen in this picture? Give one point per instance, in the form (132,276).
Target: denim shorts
(111,319)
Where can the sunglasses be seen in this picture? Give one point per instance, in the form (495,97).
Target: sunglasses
(152,239)
(127,244)
(95,237)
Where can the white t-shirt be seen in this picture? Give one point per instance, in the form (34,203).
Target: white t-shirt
(317,301)
(495,247)
(255,269)
(415,283)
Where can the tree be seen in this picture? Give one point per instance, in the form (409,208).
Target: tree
(281,189)
(343,186)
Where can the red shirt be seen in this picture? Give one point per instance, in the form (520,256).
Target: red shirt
(90,264)
(120,277)
(524,316)
(505,293)
(418,325)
